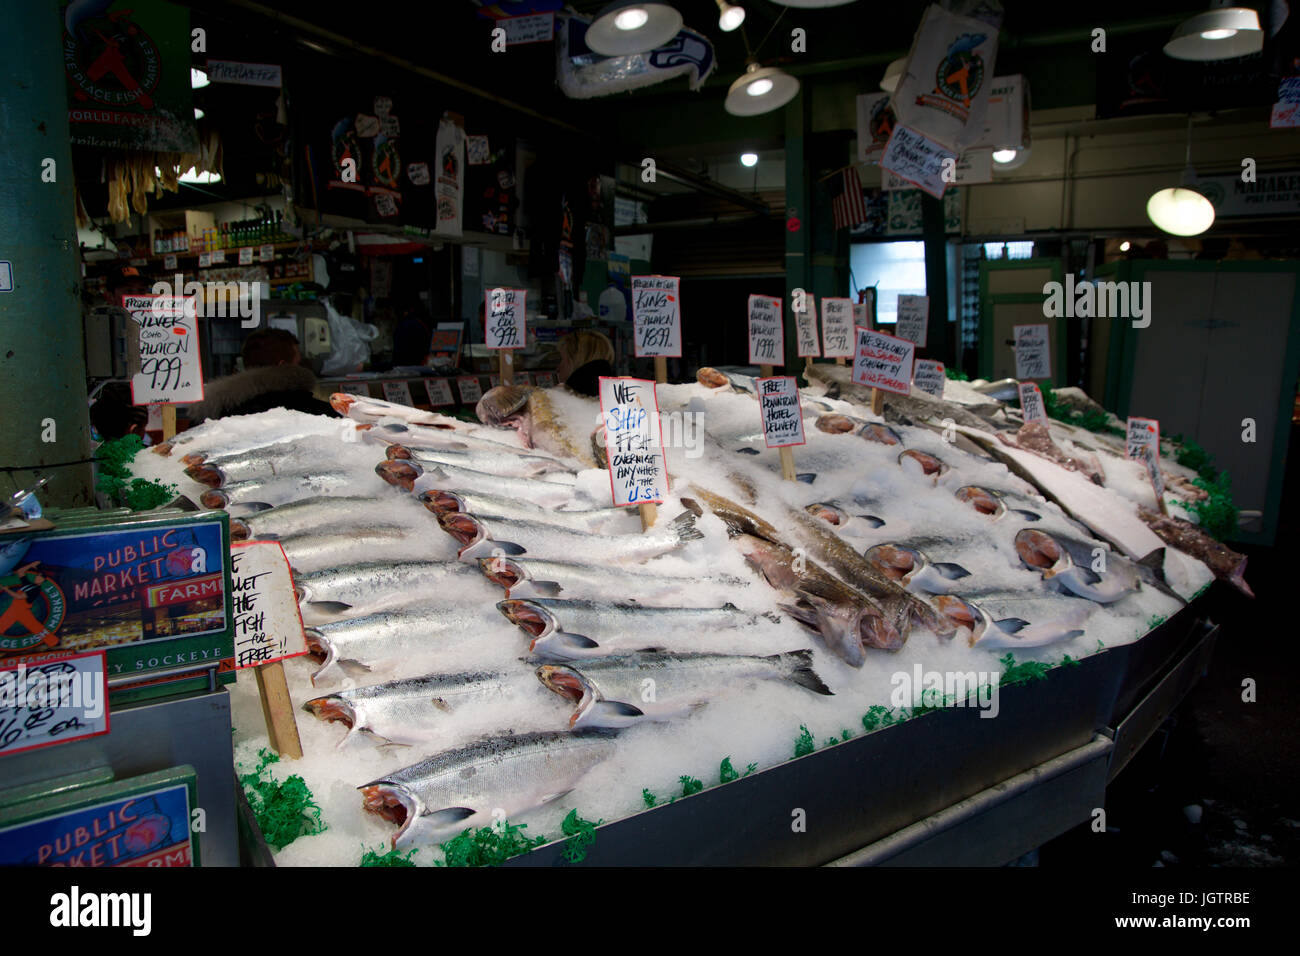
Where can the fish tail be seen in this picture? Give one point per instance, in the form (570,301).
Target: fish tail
(1238,580)
(798,668)
(683,528)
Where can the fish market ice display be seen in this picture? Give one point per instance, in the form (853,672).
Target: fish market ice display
(487,635)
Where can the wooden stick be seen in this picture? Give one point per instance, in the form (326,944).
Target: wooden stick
(277,710)
(787,464)
(507,367)
(877,402)
(661,370)
(649,514)
(169,422)
(807,363)
(839,361)
(765,371)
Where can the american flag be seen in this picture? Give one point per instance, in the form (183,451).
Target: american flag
(848,205)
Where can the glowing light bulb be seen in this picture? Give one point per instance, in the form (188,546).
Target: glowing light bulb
(1003,155)
(1218,34)
(633,19)
(759,87)
(1125,246)
(749,159)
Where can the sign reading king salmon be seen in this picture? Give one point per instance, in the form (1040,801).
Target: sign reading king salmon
(638,473)
(656,316)
(883,361)
(504,318)
(766,332)
(166,369)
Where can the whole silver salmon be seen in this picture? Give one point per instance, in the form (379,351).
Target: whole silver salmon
(494,506)
(311,552)
(324,512)
(295,457)
(515,464)
(278,489)
(394,633)
(538,577)
(573,630)
(1002,620)
(912,568)
(403,474)
(366,409)
(330,592)
(1089,570)
(445,794)
(416,435)
(621,691)
(483,537)
(406,711)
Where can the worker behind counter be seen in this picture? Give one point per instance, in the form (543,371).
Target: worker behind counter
(584,357)
(273,377)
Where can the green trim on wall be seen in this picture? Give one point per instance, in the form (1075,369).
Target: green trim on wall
(988,300)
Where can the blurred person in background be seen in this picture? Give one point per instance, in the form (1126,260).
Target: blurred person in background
(584,357)
(273,377)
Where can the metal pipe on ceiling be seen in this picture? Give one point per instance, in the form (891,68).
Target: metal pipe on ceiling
(700,184)
(701,222)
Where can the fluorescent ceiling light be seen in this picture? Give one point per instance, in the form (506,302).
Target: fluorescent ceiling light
(730,16)
(198,78)
(1180,211)
(626,27)
(760,90)
(1219,34)
(749,159)
(893,73)
(198,113)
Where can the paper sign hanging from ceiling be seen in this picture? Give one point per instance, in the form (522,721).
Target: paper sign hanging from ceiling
(449,183)
(805,325)
(883,361)
(638,473)
(766,331)
(875,123)
(530,28)
(837,328)
(944,92)
(656,316)
(926,164)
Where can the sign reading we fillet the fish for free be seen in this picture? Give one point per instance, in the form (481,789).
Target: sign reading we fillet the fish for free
(1031,404)
(656,316)
(638,472)
(504,318)
(766,331)
(837,327)
(782,417)
(883,361)
(268,625)
(168,370)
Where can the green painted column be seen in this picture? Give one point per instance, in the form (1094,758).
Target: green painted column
(940,334)
(42,360)
(798,205)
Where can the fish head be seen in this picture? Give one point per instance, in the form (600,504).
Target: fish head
(341,402)
(333,708)
(1040,551)
(442,502)
(510,574)
(214,498)
(836,424)
(878,632)
(895,561)
(572,686)
(535,619)
(320,650)
(929,466)
(506,406)
(962,614)
(193,458)
(711,378)
(874,431)
(982,500)
(396,452)
(239,530)
(399,474)
(163,448)
(771,560)
(205,474)
(828,512)
(840,625)
(396,804)
(469,532)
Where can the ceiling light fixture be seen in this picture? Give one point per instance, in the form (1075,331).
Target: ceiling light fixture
(1181,210)
(730,16)
(1010,157)
(198,113)
(193,177)
(893,73)
(627,27)
(812,4)
(1125,246)
(749,159)
(1219,34)
(760,89)
(198,78)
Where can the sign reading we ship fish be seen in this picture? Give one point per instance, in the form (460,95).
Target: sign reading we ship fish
(766,332)
(782,418)
(268,627)
(166,366)
(656,316)
(883,361)
(638,473)
(504,318)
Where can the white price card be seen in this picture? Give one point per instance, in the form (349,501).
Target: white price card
(782,417)
(861,318)
(169,263)
(268,625)
(638,472)
(929,377)
(205,260)
(439,390)
(471,390)
(928,165)
(504,313)
(805,326)
(356,388)
(397,392)
(266,253)
(544,379)
(53,702)
(913,318)
(167,339)
(1033,355)
(766,331)
(1142,432)
(218,257)
(883,361)
(1032,408)
(656,316)
(837,328)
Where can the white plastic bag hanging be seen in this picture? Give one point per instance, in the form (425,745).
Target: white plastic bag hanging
(351,340)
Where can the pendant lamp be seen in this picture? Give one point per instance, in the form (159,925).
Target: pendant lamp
(1219,34)
(626,27)
(1181,210)
(760,89)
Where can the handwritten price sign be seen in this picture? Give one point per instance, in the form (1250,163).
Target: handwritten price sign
(837,328)
(913,317)
(470,388)
(268,627)
(638,473)
(883,361)
(170,372)
(439,390)
(397,392)
(1143,433)
(505,318)
(805,324)
(917,159)
(782,417)
(1033,355)
(766,331)
(656,316)
(1031,404)
(53,703)
(929,377)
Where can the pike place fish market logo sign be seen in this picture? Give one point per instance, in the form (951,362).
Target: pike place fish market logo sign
(960,73)
(111,60)
(31,609)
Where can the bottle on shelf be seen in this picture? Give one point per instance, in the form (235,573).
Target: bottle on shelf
(157,242)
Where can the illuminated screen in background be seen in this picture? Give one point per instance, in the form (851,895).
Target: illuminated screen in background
(895,268)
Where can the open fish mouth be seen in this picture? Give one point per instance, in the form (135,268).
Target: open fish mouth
(835,424)
(534,620)
(930,466)
(394,804)
(442,502)
(961,613)
(566,682)
(209,475)
(502,571)
(341,402)
(711,378)
(214,499)
(1040,551)
(397,452)
(893,561)
(399,474)
(332,709)
(464,528)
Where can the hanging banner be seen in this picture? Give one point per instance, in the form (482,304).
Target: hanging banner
(837,327)
(504,318)
(638,473)
(656,316)
(583,73)
(805,325)
(128,75)
(883,361)
(450,184)
(766,331)
(923,162)
(782,416)
(165,363)
(944,92)
(875,124)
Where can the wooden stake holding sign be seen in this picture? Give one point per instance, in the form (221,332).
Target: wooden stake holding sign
(766,344)
(268,629)
(638,470)
(1144,444)
(505,327)
(657,334)
(778,400)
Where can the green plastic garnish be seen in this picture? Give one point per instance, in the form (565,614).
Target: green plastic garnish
(690,785)
(284,811)
(489,846)
(115,480)
(388,858)
(804,744)
(581,834)
(1022,673)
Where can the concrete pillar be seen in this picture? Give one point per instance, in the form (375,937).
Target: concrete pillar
(798,196)
(42,361)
